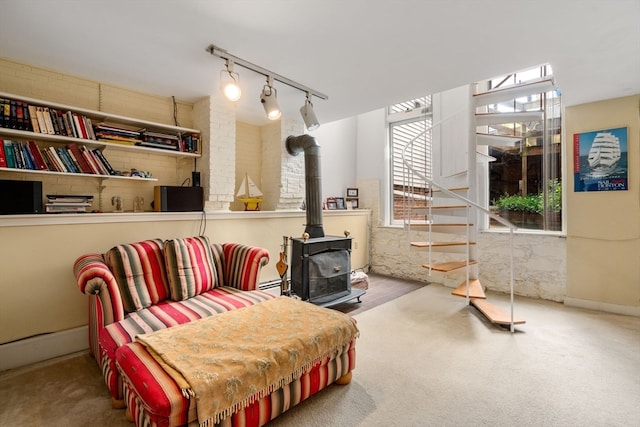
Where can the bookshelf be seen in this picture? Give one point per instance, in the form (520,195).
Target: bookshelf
(88,132)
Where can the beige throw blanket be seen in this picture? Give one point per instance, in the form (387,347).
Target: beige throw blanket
(230,360)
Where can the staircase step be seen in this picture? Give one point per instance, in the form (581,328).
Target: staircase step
(440,228)
(433,244)
(482,158)
(442,210)
(444,247)
(497,140)
(448,266)
(487,119)
(494,96)
(475,290)
(494,314)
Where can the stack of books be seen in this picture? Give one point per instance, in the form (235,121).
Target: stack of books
(117,134)
(161,140)
(65,203)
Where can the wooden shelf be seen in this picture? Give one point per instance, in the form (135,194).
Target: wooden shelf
(100,115)
(60,139)
(86,175)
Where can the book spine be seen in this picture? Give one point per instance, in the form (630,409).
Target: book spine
(101,168)
(72,158)
(79,126)
(64,155)
(3,157)
(71,129)
(13,116)
(8,151)
(29,161)
(104,161)
(52,160)
(87,156)
(47,121)
(37,156)
(79,158)
(62,129)
(20,119)
(58,160)
(5,110)
(44,153)
(89,128)
(18,155)
(34,119)
(41,121)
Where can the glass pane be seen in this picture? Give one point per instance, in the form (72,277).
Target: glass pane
(525,180)
(409,189)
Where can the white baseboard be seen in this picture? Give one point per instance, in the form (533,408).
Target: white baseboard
(43,347)
(603,306)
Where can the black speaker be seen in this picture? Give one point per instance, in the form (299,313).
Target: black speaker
(195,179)
(178,199)
(20,197)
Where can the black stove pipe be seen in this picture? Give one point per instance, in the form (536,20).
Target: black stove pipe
(313,183)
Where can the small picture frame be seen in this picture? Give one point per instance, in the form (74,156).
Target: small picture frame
(332,204)
(352,203)
(352,192)
(340,203)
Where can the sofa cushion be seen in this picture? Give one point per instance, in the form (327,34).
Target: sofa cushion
(139,270)
(191,269)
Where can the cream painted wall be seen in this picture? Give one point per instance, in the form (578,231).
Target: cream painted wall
(248,158)
(603,228)
(39,295)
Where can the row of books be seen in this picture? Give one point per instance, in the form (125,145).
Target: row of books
(67,203)
(70,159)
(189,143)
(38,119)
(21,115)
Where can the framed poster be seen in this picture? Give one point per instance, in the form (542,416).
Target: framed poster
(600,160)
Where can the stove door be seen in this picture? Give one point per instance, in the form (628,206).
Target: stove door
(329,276)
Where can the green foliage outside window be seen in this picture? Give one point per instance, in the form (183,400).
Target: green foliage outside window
(532,203)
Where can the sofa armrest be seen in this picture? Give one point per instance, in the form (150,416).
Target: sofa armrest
(95,278)
(242,265)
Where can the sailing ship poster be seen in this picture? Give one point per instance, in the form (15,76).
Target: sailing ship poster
(600,160)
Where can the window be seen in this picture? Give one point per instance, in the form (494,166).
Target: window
(409,123)
(525,183)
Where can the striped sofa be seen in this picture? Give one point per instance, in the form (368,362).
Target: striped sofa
(150,285)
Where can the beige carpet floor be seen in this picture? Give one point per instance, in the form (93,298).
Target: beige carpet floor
(423,359)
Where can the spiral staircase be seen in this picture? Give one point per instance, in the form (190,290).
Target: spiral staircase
(441,220)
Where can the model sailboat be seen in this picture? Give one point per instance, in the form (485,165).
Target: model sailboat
(249,194)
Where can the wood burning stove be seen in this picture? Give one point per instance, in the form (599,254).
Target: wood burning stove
(320,265)
(321,268)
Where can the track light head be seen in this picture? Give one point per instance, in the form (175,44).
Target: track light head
(308,115)
(229,83)
(269,100)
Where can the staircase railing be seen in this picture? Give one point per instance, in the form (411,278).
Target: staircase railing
(470,203)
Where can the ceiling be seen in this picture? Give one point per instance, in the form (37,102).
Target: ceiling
(363,54)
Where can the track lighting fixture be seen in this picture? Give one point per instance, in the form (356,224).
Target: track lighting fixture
(229,82)
(269,99)
(268,95)
(308,115)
